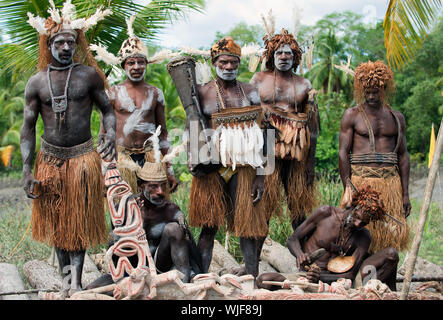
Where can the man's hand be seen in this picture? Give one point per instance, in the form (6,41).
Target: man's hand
(172,183)
(313,274)
(258,188)
(29,186)
(303,260)
(106,147)
(406,206)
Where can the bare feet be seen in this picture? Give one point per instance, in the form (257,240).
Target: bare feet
(241,271)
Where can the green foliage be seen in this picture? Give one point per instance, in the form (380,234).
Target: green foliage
(111,31)
(243,34)
(418,93)
(406,25)
(331,108)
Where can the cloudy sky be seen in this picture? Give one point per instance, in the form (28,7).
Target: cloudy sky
(220,15)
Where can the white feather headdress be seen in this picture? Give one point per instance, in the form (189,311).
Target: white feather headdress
(131,47)
(64,20)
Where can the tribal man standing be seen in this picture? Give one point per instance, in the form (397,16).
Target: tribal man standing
(67,184)
(230,194)
(289,107)
(372,151)
(139,109)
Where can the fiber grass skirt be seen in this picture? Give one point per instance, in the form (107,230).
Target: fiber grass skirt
(211,206)
(385,233)
(69,214)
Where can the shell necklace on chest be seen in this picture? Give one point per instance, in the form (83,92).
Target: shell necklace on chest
(59,103)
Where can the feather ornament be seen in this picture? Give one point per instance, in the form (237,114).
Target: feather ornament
(162,55)
(196,52)
(129,23)
(250,50)
(269,24)
(95,18)
(155,143)
(55,15)
(104,55)
(176,151)
(128,164)
(223,146)
(68,11)
(37,23)
(203,72)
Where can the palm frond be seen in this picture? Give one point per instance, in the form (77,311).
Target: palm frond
(111,31)
(406,24)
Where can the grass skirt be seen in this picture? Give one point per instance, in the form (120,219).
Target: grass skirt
(385,233)
(68,213)
(211,206)
(301,199)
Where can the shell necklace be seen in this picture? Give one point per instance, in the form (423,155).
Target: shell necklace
(60,103)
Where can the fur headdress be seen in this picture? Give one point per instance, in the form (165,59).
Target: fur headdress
(227,46)
(373,75)
(368,200)
(131,47)
(64,20)
(275,42)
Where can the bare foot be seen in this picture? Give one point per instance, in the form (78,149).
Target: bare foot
(241,271)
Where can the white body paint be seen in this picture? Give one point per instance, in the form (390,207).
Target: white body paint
(226,75)
(56,55)
(135,121)
(283,65)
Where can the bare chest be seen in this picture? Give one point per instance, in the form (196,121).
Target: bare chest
(381,126)
(213,101)
(57,86)
(286,94)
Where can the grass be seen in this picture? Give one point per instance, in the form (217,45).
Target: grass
(15,220)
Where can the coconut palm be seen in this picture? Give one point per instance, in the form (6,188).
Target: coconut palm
(327,53)
(406,25)
(111,31)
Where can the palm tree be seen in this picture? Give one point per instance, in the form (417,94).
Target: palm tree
(111,31)
(323,75)
(406,25)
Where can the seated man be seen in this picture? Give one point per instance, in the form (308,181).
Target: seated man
(342,233)
(170,241)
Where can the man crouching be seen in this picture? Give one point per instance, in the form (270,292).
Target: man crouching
(342,233)
(170,241)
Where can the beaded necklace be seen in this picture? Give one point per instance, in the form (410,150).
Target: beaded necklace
(222,97)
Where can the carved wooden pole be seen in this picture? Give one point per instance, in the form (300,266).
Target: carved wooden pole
(423,214)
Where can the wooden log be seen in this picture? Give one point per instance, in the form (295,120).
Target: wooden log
(214,267)
(423,213)
(11,283)
(90,271)
(278,257)
(264,267)
(223,258)
(41,275)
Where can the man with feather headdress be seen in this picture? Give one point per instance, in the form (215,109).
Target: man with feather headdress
(67,183)
(139,108)
(290,108)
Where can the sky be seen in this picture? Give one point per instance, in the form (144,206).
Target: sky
(199,29)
